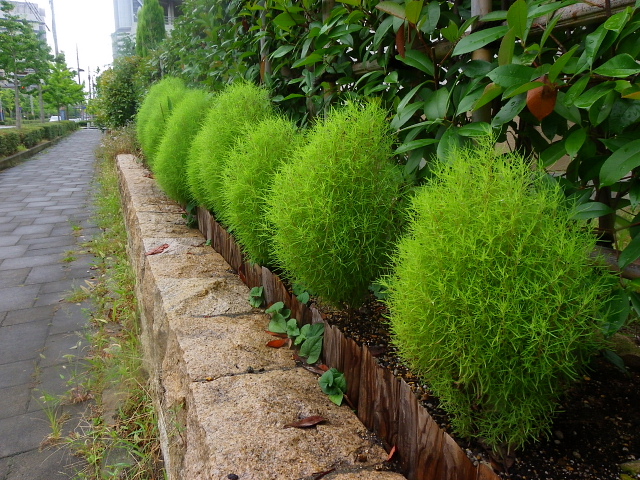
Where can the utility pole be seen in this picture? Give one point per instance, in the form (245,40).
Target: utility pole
(41,101)
(53,29)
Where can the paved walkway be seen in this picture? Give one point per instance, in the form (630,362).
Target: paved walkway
(44,212)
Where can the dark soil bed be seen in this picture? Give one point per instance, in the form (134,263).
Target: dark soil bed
(597,429)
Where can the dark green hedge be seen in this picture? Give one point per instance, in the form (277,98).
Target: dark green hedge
(9,142)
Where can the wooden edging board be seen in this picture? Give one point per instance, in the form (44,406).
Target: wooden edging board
(384,404)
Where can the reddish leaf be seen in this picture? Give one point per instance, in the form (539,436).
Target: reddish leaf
(392,452)
(158,249)
(306,422)
(400,41)
(323,367)
(542,100)
(278,343)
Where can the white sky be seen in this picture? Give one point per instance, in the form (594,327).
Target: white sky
(87,24)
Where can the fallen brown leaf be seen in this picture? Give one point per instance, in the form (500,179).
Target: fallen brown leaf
(158,249)
(281,342)
(306,422)
(392,452)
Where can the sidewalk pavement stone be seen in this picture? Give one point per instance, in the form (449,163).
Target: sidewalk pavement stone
(41,334)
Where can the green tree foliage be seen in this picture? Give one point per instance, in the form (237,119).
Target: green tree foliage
(495,302)
(182,126)
(118,93)
(251,165)
(236,106)
(154,112)
(61,89)
(150,31)
(24,56)
(334,207)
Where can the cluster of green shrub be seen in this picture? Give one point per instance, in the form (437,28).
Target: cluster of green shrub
(493,296)
(12,140)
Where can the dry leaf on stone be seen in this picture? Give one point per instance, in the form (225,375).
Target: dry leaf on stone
(279,335)
(306,422)
(158,249)
(278,343)
(392,452)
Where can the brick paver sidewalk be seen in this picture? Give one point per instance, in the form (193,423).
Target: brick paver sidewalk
(44,211)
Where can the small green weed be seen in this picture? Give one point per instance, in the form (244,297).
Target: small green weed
(256,297)
(334,384)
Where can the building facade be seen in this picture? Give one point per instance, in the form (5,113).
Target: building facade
(126,20)
(32,13)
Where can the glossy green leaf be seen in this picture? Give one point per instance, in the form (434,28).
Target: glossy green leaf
(286,20)
(552,154)
(475,129)
(392,8)
(419,60)
(491,91)
(429,22)
(547,30)
(469,100)
(494,16)
(575,90)
(448,142)
(630,254)
(620,66)
(282,51)
(507,47)
(620,163)
(414,144)
(310,60)
(589,210)
(509,75)
(412,10)
(381,31)
(556,69)
(618,21)
(517,18)
(509,111)
(617,312)
(589,97)
(477,68)
(437,104)
(355,3)
(573,143)
(311,348)
(477,40)
(518,89)
(592,45)
(405,114)
(451,32)
(601,108)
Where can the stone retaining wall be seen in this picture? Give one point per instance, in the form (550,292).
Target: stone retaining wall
(222,396)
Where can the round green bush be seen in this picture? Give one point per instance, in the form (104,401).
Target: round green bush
(171,157)
(234,107)
(334,205)
(154,112)
(494,300)
(248,174)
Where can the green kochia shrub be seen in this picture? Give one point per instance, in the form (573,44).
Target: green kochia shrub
(248,174)
(234,107)
(494,299)
(334,205)
(154,112)
(171,157)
